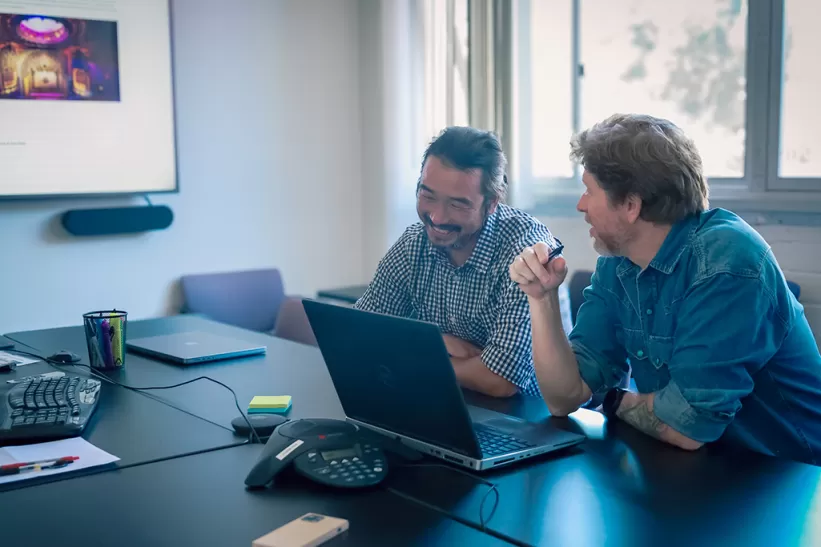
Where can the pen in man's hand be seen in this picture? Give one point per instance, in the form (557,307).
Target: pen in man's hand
(555,252)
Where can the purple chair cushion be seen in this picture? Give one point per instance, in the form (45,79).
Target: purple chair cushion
(292,323)
(248,299)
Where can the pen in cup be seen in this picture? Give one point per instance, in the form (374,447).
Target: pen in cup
(105,338)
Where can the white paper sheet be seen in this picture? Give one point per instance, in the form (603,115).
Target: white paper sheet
(90,456)
(21,359)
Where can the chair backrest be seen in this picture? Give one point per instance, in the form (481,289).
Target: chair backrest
(795,288)
(579,281)
(292,323)
(249,299)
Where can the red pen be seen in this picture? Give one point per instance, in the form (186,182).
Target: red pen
(21,467)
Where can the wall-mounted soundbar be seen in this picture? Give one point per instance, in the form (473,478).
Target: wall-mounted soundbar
(117,220)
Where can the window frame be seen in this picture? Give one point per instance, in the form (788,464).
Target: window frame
(760,190)
(777,17)
(556,194)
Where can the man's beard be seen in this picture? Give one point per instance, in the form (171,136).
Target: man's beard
(458,244)
(607,245)
(462,239)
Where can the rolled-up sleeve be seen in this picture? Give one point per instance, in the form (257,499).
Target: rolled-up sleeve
(601,358)
(703,425)
(508,349)
(728,328)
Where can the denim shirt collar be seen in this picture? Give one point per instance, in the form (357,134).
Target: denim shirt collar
(674,245)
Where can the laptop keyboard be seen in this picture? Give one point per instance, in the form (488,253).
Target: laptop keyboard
(494,442)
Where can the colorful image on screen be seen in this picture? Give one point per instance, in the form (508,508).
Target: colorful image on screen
(44,57)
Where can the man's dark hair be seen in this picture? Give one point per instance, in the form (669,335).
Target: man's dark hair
(467,148)
(652,158)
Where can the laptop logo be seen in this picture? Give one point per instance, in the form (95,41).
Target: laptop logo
(386,377)
(191,343)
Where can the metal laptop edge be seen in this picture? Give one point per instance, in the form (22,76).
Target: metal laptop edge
(461,459)
(188,361)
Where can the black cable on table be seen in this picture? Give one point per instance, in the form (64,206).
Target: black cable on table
(491,489)
(456,518)
(58,364)
(482,520)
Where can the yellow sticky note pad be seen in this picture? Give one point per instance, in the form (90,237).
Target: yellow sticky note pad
(270,401)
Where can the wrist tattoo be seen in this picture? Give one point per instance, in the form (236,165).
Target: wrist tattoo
(643,419)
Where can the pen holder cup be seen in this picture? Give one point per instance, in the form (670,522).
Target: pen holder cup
(105,338)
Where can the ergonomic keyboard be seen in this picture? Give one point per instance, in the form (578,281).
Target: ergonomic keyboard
(49,406)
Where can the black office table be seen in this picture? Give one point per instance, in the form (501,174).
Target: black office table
(618,488)
(202,501)
(136,428)
(622,488)
(288,368)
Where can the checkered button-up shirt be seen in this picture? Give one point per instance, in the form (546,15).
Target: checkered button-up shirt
(477,301)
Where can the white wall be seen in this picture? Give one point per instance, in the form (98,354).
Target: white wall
(392,123)
(270,172)
(797,249)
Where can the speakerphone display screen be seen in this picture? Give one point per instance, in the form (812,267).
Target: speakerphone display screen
(329,455)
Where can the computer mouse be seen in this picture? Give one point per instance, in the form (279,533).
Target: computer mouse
(263,424)
(64,356)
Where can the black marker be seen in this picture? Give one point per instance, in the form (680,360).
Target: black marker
(555,252)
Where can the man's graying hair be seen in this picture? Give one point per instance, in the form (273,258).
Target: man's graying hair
(652,158)
(467,148)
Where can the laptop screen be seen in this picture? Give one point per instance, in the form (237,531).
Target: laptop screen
(393,373)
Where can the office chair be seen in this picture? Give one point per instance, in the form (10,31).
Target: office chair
(292,323)
(248,299)
(579,281)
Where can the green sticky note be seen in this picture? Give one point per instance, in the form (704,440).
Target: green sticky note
(281,410)
(270,401)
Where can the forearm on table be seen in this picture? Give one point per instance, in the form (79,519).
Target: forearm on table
(553,359)
(637,410)
(473,374)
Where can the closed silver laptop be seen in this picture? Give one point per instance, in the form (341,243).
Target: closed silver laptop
(186,348)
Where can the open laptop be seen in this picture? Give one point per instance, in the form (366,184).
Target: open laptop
(186,348)
(394,376)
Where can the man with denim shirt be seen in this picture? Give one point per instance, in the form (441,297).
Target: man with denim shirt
(690,300)
(451,268)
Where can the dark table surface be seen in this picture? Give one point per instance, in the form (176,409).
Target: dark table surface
(288,368)
(620,487)
(201,501)
(623,488)
(136,428)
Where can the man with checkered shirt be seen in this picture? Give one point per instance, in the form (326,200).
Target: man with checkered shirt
(451,268)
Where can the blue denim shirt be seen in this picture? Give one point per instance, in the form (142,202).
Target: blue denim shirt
(712,329)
